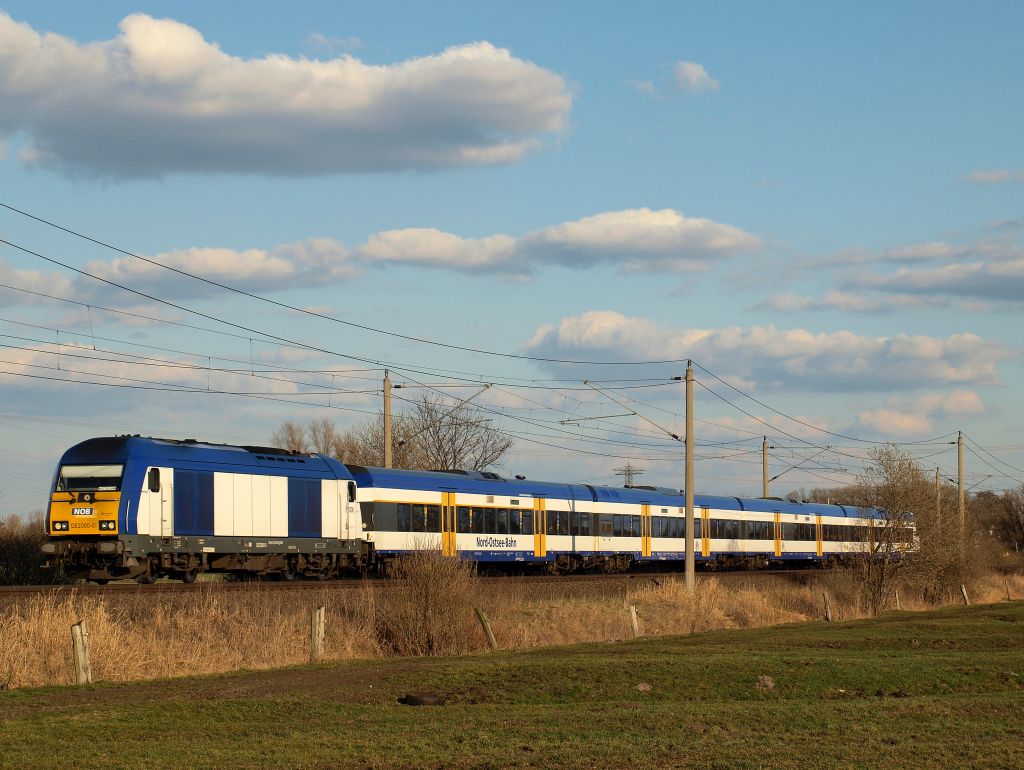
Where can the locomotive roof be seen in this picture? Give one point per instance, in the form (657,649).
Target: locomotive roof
(121,449)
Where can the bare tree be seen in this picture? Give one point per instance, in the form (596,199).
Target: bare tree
(433,436)
(896,485)
(290,436)
(1001,516)
(457,437)
(366,443)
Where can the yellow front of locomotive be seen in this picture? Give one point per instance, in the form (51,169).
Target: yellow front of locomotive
(85,502)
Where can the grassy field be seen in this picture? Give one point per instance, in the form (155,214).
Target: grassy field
(941,688)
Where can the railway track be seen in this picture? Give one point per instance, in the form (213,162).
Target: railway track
(558,584)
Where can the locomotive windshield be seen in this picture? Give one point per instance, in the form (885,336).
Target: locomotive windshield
(90,478)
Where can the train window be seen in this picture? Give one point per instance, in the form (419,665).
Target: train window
(633,525)
(697,525)
(465,523)
(656,526)
(351,491)
(799,532)
(725,529)
(90,478)
(404,517)
(502,514)
(757,530)
(574,523)
(514,527)
(563,522)
(490,521)
(433,518)
(605,525)
(585,524)
(552,517)
(418,518)
(527,522)
(617,525)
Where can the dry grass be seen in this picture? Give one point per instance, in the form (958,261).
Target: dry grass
(428,610)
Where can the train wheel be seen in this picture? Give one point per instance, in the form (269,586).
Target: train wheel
(147,580)
(190,576)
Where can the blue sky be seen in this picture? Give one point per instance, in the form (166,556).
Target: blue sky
(822,206)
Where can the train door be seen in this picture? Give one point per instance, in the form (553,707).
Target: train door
(448,547)
(645,530)
(705,532)
(778,534)
(817,534)
(157,503)
(540,527)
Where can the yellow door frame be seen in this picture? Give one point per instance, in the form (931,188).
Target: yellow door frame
(705,531)
(818,533)
(778,533)
(645,530)
(540,527)
(448,524)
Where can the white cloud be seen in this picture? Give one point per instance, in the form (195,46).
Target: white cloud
(310,262)
(633,240)
(996,176)
(173,102)
(914,418)
(54,284)
(792,359)
(435,248)
(691,77)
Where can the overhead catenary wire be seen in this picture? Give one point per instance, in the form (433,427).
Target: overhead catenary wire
(276,339)
(322,316)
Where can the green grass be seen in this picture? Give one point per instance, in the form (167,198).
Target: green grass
(943,688)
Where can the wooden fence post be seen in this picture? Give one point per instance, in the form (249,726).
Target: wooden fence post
(486,625)
(897,600)
(316,634)
(828,607)
(1007,584)
(80,653)
(632,620)
(963,590)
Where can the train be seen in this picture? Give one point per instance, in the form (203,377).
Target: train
(133,507)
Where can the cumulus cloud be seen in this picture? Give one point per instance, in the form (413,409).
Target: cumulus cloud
(996,176)
(916,417)
(792,359)
(305,263)
(691,77)
(173,102)
(633,240)
(50,283)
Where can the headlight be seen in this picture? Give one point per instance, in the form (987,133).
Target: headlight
(60,526)
(108,525)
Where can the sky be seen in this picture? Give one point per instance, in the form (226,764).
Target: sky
(215,220)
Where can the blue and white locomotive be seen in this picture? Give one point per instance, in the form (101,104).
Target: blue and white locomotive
(133,507)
